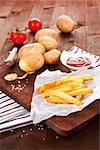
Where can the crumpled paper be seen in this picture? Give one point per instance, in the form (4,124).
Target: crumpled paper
(42,110)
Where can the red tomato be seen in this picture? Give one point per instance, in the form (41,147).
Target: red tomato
(18,37)
(34,24)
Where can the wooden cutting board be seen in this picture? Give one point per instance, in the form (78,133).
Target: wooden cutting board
(62,125)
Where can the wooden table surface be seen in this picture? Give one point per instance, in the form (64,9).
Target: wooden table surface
(87,12)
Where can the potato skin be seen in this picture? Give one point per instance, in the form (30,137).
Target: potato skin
(31,62)
(48,42)
(39,47)
(52,57)
(46,32)
(65,24)
(30,48)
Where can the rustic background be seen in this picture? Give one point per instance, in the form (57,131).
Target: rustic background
(87,12)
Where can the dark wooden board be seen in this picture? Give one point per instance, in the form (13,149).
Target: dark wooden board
(62,125)
(75,122)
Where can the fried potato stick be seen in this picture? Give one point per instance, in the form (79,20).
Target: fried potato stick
(73,84)
(66,89)
(81,92)
(81,86)
(79,97)
(61,86)
(54,99)
(84,77)
(54,83)
(65,96)
(77,79)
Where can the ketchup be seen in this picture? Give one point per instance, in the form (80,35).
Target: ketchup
(78,61)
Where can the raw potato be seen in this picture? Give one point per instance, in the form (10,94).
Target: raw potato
(46,32)
(52,57)
(66,24)
(30,48)
(31,62)
(48,42)
(39,47)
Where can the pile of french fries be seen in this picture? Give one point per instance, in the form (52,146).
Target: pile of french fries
(66,90)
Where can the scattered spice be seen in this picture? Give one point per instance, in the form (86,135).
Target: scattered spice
(31,129)
(27,80)
(22,136)
(26,133)
(43,138)
(41,125)
(12,130)
(18,87)
(18,81)
(12,87)
(57,137)
(23,131)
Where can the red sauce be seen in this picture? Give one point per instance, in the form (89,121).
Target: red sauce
(78,61)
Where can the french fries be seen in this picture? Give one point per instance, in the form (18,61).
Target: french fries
(59,96)
(83,77)
(66,90)
(81,92)
(77,79)
(54,83)
(86,77)
(80,86)
(66,97)
(73,84)
(54,99)
(79,97)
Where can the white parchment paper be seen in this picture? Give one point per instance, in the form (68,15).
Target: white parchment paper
(42,110)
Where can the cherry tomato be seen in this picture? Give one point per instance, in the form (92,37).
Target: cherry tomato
(34,24)
(18,37)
